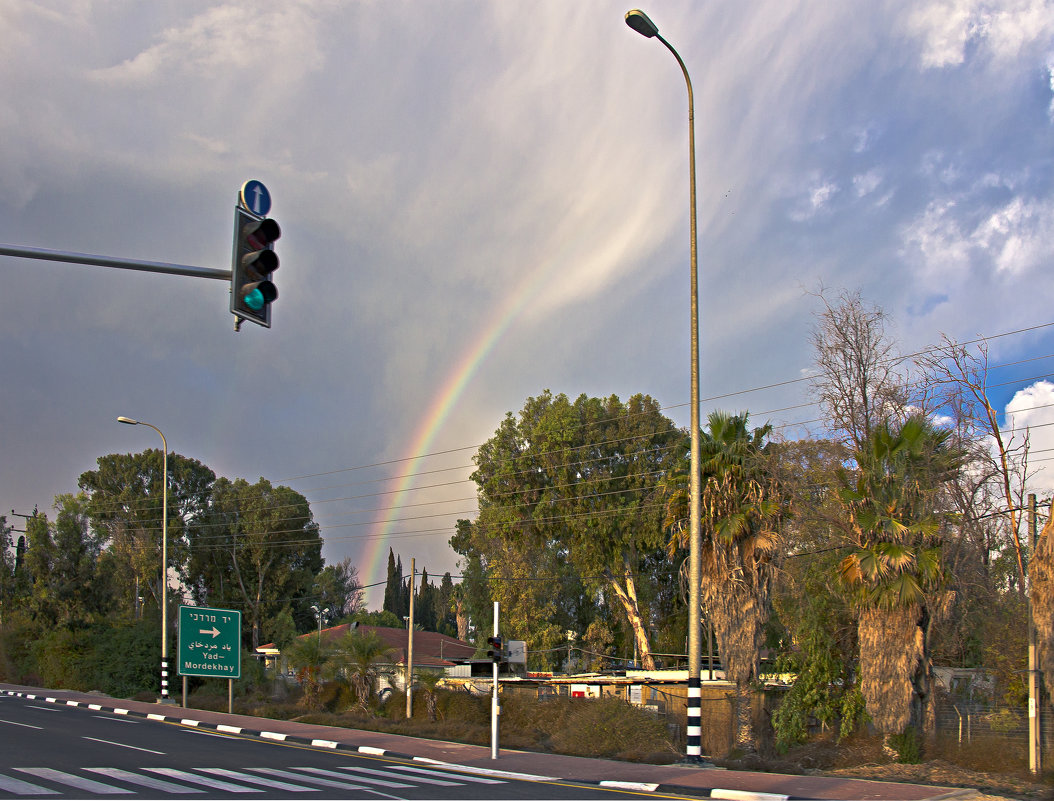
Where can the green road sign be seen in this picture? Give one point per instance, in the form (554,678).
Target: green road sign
(210,642)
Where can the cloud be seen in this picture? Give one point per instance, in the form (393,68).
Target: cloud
(448,171)
(1000,29)
(1031,412)
(1015,238)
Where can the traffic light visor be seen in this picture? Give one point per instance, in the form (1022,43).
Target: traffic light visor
(261,233)
(259,294)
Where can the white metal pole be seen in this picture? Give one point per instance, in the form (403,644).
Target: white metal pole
(410,645)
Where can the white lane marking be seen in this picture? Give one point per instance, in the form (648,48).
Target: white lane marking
(421,779)
(273,783)
(288,774)
(45,708)
(76,782)
(115,720)
(144,781)
(366,779)
(16,723)
(123,745)
(193,778)
(459,776)
(503,774)
(204,733)
(12,785)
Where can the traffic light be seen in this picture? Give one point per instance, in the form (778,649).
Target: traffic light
(496,652)
(252,264)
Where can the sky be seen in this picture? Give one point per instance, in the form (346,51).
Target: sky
(484,200)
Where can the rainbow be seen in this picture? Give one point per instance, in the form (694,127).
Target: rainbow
(452,388)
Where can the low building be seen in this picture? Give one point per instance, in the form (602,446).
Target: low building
(432,651)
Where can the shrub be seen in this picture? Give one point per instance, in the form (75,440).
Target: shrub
(907,745)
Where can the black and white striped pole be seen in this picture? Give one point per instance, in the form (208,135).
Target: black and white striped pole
(639,22)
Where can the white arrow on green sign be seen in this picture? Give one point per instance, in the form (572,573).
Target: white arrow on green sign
(209,642)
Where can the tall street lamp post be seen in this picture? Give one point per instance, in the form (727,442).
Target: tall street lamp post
(164,555)
(639,22)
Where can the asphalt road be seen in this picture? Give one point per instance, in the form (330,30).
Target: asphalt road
(49,750)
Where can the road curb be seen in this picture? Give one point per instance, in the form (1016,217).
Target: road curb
(367,750)
(644,787)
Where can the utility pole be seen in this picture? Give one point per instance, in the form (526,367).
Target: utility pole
(410,646)
(1035,727)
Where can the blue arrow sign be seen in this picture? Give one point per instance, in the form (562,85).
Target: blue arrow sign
(255,198)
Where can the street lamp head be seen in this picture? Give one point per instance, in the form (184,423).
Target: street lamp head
(128,420)
(639,21)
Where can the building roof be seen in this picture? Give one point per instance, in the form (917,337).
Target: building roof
(430,648)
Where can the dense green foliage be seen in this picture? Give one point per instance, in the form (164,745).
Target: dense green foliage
(855,559)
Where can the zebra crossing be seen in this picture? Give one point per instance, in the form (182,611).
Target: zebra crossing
(159,781)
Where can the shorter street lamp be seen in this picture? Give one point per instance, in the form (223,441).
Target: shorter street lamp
(164,554)
(320,613)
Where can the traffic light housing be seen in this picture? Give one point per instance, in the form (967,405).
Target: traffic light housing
(496,652)
(252,264)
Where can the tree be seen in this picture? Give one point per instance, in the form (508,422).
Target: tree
(742,512)
(359,653)
(337,588)
(8,574)
(858,385)
(894,574)
(307,656)
(1041,576)
(429,683)
(425,604)
(258,550)
(446,619)
(474,599)
(568,492)
(819,647)
(62,560)
(124,505)
(999,458)
(393,590)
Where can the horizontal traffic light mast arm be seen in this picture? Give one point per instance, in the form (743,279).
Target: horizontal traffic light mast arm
(113,261)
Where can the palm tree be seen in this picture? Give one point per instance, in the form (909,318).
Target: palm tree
(429,682)
(894,576)
(741,514)
(1041,593)
(307,655)
(359,652)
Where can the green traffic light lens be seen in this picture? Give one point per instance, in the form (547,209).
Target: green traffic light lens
(254,300)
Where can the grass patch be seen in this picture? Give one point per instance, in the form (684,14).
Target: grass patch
(604,727)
